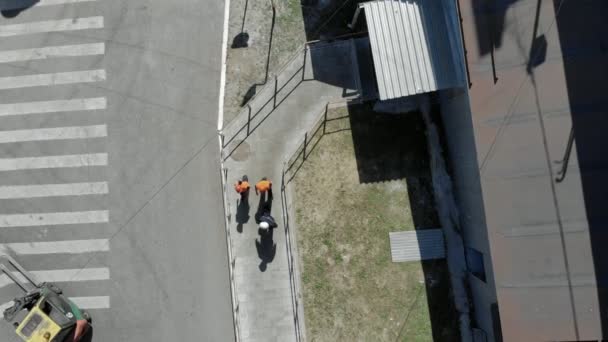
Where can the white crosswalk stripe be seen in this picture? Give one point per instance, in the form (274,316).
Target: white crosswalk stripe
(51,26)
(54,219)
(58,247)
(87,303)
(53,190)
(56,276)
(58,78)
(60,2)
(57,133)
(41,107)
(52,162)
(98,302)
(65,120)
(52,52)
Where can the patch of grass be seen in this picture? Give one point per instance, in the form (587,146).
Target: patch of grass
(289,31)
(352,290)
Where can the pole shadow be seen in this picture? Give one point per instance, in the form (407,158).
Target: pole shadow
(242,36)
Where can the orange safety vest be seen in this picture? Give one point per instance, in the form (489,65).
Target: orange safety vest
(242,187)
(263,186)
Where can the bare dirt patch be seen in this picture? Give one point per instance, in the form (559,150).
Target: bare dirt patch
(246,66)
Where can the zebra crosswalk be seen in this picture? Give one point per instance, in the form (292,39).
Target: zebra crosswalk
(45,203)
(49,52)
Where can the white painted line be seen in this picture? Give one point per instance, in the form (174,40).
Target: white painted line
(59,78)
(53,190)
(87,303)
(58,247)
(220,112)
(51,26)
(59,2)
(57,276)
(56,133)
(52,162)
(52,52)
(40,107)
(54,219)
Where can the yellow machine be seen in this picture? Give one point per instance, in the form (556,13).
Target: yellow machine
(43,314)
(38,327)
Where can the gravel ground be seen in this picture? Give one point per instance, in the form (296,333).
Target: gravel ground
(246,67)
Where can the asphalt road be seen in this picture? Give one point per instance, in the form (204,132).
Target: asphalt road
(109,176)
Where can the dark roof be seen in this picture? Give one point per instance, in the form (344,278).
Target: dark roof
(548,238)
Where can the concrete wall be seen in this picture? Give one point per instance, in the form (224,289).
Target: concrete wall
(458,128)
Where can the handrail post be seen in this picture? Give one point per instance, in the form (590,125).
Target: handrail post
(562,173)
(305,143)
(276,85)
(304,62)
(248,117)
(325,117)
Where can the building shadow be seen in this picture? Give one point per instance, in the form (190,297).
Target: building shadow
(332,63)
(12,8)
(388,146)
(325,19)
(582,27)
(490,18)
(394,147)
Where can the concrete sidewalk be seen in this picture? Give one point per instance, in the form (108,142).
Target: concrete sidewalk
(256,143)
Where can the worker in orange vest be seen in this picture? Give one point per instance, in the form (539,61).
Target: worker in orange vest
(263,186)
(242,187)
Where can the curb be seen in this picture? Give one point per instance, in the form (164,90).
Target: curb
(220,113)
(224,171)
(231,260)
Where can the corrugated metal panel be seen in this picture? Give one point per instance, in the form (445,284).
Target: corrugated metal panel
(417,245)
(411,47)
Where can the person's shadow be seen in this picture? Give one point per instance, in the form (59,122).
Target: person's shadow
(242,214)
(264,205)
(12,8)
(266,248)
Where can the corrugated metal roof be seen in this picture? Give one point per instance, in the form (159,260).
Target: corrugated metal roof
(411,47)
(417,245)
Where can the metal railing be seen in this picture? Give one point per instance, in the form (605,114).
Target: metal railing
(268,99)
(231,259)
(251,113)
(311,138)
(323,125)
(561,174)
(279,71)
(295,302)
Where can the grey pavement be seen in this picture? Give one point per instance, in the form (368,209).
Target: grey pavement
(135,90)
(264,294)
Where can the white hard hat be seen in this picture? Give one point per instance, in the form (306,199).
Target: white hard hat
(264,225)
